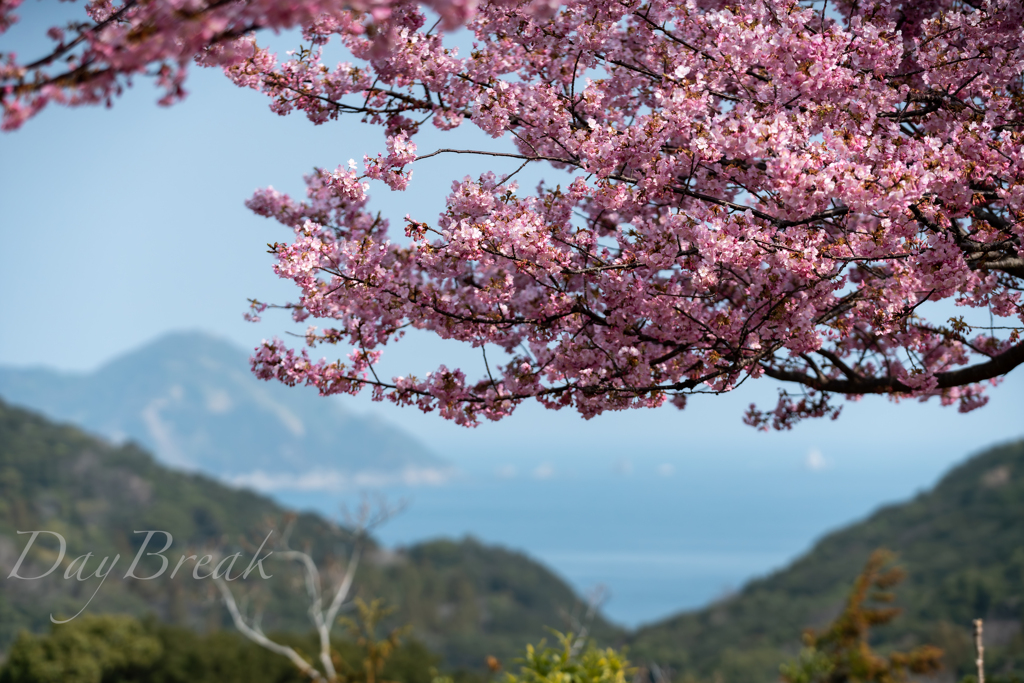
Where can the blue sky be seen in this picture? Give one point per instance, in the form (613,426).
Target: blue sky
(122,224)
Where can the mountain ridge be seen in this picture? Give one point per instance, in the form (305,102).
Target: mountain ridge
(189,398)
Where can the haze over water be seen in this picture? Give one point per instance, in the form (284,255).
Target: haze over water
(661,537)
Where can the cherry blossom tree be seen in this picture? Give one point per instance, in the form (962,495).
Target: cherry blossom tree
(767,188)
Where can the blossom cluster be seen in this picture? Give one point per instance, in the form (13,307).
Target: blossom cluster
(91,61)
(755,189)
(762,189)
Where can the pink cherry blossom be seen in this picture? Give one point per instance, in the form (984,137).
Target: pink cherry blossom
(754,190)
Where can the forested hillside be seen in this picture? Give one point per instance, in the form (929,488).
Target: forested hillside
(962,545)
(465,600)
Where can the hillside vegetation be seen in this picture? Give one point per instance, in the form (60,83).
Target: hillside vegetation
(464,600)
(961,544)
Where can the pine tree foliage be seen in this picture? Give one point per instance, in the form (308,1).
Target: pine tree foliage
(842,652)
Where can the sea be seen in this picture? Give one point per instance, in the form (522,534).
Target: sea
(650,538)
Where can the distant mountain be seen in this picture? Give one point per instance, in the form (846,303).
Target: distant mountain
(191,399)
(962,545)
(464,599)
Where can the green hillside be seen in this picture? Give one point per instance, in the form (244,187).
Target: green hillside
(464,599)
(962,545)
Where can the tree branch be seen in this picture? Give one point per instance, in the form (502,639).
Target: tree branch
(856,384)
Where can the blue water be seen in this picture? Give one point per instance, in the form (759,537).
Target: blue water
(659,538)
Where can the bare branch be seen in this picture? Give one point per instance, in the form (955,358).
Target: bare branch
(257,637)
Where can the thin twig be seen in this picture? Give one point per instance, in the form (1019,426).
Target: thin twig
(980,646)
